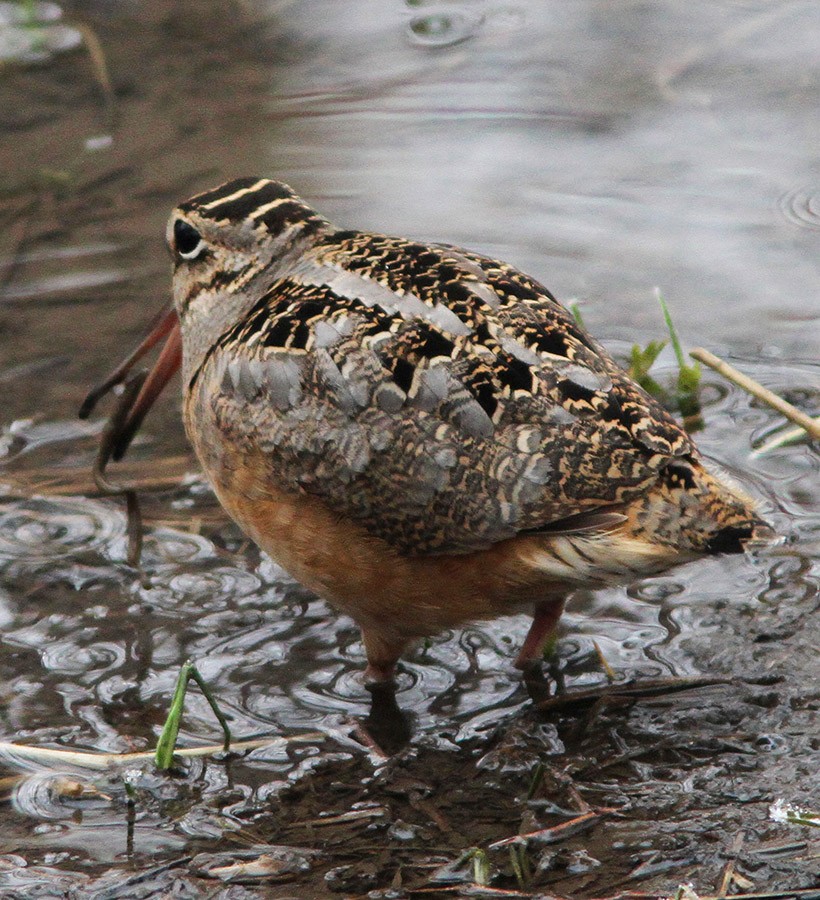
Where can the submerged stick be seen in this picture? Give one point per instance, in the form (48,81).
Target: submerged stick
(811,426)
(782,439)
(637,689)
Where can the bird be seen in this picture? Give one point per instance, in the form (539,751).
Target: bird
(420,434)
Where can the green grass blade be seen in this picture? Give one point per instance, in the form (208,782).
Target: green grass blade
(226,731)
(689,377)
(481,867)
(576,313)
(520,864)
(164,755)
(670,327)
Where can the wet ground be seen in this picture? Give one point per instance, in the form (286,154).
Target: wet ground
(605,148)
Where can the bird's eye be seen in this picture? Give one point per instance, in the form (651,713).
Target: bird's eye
(188,241)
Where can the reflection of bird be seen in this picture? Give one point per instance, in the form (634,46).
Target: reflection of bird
(418,433)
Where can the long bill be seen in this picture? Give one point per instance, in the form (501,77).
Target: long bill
(168,362)
(162,325)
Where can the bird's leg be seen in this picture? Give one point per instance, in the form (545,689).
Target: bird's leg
(544,624)
(382,656)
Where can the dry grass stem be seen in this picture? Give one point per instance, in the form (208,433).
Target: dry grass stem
(557,832)
(812,426)
(84,759)
(100,67)
(163,474)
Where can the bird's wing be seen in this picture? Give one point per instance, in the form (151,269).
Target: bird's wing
(443,400)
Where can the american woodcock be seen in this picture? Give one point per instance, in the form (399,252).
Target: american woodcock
(420,434)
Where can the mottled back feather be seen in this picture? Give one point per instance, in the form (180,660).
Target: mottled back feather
(443,400)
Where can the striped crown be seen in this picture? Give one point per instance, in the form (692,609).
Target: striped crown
(261,201)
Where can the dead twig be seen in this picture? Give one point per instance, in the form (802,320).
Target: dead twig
(730,876)
(811,426)
(626,756)
(475,890)
(435,815)
(800,894)
(557,832)
(353,815)
(781,439)
(635,689)
(19,754)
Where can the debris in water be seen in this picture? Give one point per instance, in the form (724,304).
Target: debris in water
(790,814)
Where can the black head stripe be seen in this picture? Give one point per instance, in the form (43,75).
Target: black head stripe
(237,200)
(240,206)
(266,205)
(287,212)
(224,190)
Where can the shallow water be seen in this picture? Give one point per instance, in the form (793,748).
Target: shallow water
(605,148)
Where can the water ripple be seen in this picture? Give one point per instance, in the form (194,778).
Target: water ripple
(442,29)
(45,529)
(50,796)
(71,283)
(170,546)
(801,206)
(67,658)
(219,583)
(24,435)
(279,659)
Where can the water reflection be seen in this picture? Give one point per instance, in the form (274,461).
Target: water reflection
(606,149)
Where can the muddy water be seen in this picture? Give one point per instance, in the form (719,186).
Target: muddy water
(605,148)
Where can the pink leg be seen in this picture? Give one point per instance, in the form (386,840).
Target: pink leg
(544,623)
(379,674)
(382,656)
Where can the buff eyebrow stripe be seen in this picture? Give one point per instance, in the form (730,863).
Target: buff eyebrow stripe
(261,210)
(252,189)
(217,193)
(280,215)
(247,202)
